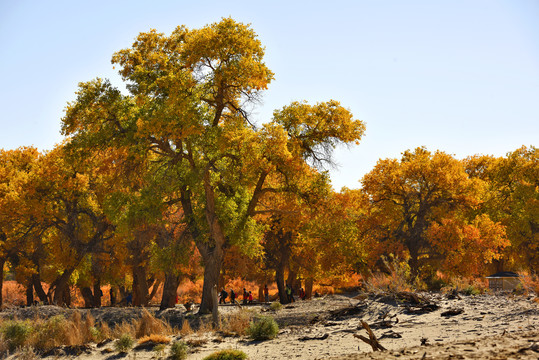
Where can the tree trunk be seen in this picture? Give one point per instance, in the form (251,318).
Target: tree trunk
(61,298)
(213,251)
(261,293)
(309,288)
(155,288)
(67,297)
(36,280)
(88,296)
(98,294)
(140,286)
(2,262)
(169,291)
(29,293)
(279,279)
(215,308)
(213,260)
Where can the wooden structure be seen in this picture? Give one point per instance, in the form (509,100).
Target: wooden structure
(503,281)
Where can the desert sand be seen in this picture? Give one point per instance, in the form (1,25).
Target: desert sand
(488,326)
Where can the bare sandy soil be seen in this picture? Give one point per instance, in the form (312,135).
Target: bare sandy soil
(489,326)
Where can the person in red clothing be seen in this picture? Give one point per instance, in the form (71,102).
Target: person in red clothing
(302,294)
(250,298)
(266,293)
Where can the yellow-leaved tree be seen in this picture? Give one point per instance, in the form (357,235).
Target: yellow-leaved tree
(189,105)
(425,208)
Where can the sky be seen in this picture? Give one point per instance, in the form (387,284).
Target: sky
(456,76)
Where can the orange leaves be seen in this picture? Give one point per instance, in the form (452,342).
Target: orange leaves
(428,203)
(468,247)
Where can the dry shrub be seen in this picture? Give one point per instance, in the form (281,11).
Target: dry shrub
(124,343)
(104,331)
(394,283)
(190,291)
(237,323)
(149,325)
(530,284)
(205,326)
(125,328)
(154,338)
(13,294)
(263,328)
(196,342)
(186,328)
(52,332)
(323,289)
(469,285)
(16,333)
(178,350)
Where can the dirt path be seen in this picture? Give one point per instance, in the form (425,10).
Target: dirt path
(472,327)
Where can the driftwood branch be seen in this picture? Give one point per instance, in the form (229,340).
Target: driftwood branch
(372,340)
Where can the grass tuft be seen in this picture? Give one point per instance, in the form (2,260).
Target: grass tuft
(263,328)
(178,350)
(124,343)
(16,333)
(228,354)
(276,306)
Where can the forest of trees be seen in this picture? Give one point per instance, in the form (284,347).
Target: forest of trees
(174,181)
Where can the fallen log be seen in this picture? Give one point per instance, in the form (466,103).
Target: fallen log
(307,338)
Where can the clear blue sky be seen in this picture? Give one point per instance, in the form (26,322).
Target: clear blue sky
(459,76)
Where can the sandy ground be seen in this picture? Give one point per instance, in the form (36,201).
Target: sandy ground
(476,327)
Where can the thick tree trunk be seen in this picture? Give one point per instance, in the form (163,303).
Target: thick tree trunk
(140,286)
(98,294)
(213,261)
(61,292)
(67,297)
(213,251)
(279,279)
(309,288)
(169,291)
(88,296)
(261,293)
(30,293)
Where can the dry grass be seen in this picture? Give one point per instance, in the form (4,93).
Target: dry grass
(469,285)
(196,342)
(124,328)
(154,338)
(186,328)
(397,280)
(530,284)
(45,334)
(149,325)
(13,294)
(237,323)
